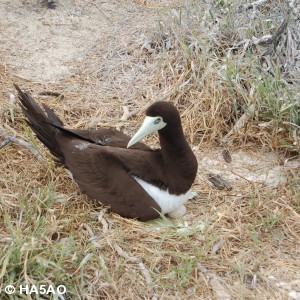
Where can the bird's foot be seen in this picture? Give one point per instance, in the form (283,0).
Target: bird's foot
(178,213)
(193,195)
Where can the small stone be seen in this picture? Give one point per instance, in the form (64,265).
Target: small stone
(294,295)
(287,287)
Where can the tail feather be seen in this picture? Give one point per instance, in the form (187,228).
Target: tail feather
(42,124)
(52,117)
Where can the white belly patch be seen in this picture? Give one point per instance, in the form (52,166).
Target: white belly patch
(167,202)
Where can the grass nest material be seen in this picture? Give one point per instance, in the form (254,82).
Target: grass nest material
(241,243)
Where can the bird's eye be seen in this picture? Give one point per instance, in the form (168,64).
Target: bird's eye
(157,121)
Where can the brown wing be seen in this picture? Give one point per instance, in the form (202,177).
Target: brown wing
(105,174)
(107,137)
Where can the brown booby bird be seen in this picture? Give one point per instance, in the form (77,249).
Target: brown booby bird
(125,174)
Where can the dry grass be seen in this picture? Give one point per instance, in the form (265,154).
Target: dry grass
(215,68)
(51,234)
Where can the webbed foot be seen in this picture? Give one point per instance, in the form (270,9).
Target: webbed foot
(178,213)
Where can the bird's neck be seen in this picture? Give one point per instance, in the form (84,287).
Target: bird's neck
(179,161)
(173,142)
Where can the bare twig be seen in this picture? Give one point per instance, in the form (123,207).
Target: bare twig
(215,282)
(12,101)
(127,114)
(218,246)
(271,38)
(240,176)
(135,260)
(241,122)
(11,139)
(54,94)
(145,273)
(10,108)
(124,254)
(102,11)
(254,4)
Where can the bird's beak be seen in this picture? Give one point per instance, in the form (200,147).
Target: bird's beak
(149,126)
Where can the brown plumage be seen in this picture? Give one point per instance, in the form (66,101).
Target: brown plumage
(105,169)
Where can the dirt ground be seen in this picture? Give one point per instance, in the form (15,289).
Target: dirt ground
(95,54)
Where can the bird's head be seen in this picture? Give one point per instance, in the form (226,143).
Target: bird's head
(158,116)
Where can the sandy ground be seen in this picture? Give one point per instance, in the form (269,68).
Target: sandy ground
(46,45)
